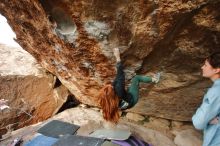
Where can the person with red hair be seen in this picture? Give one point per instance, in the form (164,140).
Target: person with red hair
(114,97)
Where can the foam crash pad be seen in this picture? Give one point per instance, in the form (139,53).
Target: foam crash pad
(58,129)
(76,140)
(111,134)
(41,140)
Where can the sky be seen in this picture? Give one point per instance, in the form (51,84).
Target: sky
(6,33)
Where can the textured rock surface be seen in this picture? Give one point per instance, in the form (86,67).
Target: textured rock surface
(169,36)
(188,137)
(134,117)
(16,61)
(30,92)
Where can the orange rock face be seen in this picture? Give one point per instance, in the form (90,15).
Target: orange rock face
(74,41)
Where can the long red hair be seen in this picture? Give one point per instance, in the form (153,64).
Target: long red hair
(109,101)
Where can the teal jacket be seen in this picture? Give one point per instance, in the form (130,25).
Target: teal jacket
(209,109)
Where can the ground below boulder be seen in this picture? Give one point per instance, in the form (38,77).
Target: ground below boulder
(90,119)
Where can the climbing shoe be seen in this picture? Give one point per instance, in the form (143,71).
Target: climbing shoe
(156,77)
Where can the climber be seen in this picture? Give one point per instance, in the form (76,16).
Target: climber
(113,97)
(206,117)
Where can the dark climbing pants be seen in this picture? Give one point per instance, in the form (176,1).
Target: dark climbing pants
(132,95)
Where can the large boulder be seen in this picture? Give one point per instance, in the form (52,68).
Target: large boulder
(74,40)
(31,92)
